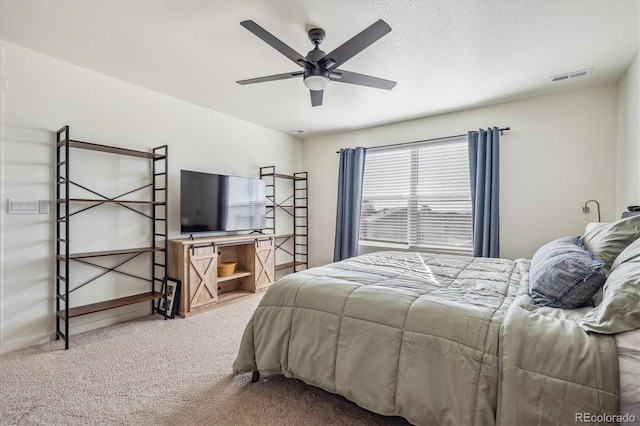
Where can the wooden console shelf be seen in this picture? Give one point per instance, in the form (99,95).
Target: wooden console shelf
(194,262)
(234,276)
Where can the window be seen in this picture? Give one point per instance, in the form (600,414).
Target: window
(418,196)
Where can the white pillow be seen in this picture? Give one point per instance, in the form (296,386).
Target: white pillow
(592,226)
(619,309)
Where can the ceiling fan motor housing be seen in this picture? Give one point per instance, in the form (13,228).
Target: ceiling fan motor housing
(315,55)
(316,77)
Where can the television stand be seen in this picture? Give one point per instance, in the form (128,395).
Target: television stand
(194,262)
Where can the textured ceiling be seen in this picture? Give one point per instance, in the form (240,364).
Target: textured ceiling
(445,55)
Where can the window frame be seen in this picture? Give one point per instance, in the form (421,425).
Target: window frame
(416,199)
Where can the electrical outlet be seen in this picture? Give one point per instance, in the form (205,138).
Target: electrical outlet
(44,207)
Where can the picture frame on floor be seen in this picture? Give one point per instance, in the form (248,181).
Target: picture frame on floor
(169,303)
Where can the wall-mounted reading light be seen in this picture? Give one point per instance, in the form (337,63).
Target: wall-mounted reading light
(585,209)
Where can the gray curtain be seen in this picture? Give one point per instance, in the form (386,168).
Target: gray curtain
(484,170)
(349,200)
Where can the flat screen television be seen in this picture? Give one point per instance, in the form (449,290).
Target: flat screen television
(221,203)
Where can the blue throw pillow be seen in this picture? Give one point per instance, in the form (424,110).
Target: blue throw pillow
(564,274)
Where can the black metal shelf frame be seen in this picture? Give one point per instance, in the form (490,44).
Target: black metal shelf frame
(294,245)
(159,231)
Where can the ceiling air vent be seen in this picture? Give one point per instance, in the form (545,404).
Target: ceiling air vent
(570,75)
(297,131)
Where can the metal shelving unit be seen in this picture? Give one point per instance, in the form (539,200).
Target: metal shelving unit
(292,243)
(159,232)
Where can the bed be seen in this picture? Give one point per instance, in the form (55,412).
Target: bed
(442,339)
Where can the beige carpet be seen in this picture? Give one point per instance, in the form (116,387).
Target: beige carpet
(155,372)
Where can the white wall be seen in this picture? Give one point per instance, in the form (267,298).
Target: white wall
(560,152)
(45,94)
(628,185)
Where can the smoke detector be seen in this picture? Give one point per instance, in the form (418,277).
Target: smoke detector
(570,75)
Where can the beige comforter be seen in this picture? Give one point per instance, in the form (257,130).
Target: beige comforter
(432,338)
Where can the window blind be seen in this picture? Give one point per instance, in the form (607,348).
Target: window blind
(418,196)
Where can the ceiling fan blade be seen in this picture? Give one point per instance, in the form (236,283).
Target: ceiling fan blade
(272,41)
(316,97)
(342,76)
(272,77)
(355,45)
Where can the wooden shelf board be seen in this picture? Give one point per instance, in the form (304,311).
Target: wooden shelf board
(234,276)
(282,176)
(111,252)
(111,149)
(102,200)
(288,265)
(234,294)
(110,304)
(270,206)
(285,236)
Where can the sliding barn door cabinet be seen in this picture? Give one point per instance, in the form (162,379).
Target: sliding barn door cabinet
(196,263)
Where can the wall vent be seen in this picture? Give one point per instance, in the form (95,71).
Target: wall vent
(570,75)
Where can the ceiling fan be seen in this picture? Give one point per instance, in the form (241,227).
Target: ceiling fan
(319,67)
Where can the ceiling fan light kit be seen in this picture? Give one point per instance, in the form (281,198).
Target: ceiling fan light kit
(319,67)
(316,82)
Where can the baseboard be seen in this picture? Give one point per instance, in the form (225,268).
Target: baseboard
(25,342)
(99,320)
(88,325)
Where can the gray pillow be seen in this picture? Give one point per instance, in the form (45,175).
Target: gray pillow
(620,307)
(607,243)
(564,274)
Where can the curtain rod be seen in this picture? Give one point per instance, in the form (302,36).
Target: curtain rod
(504,129)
